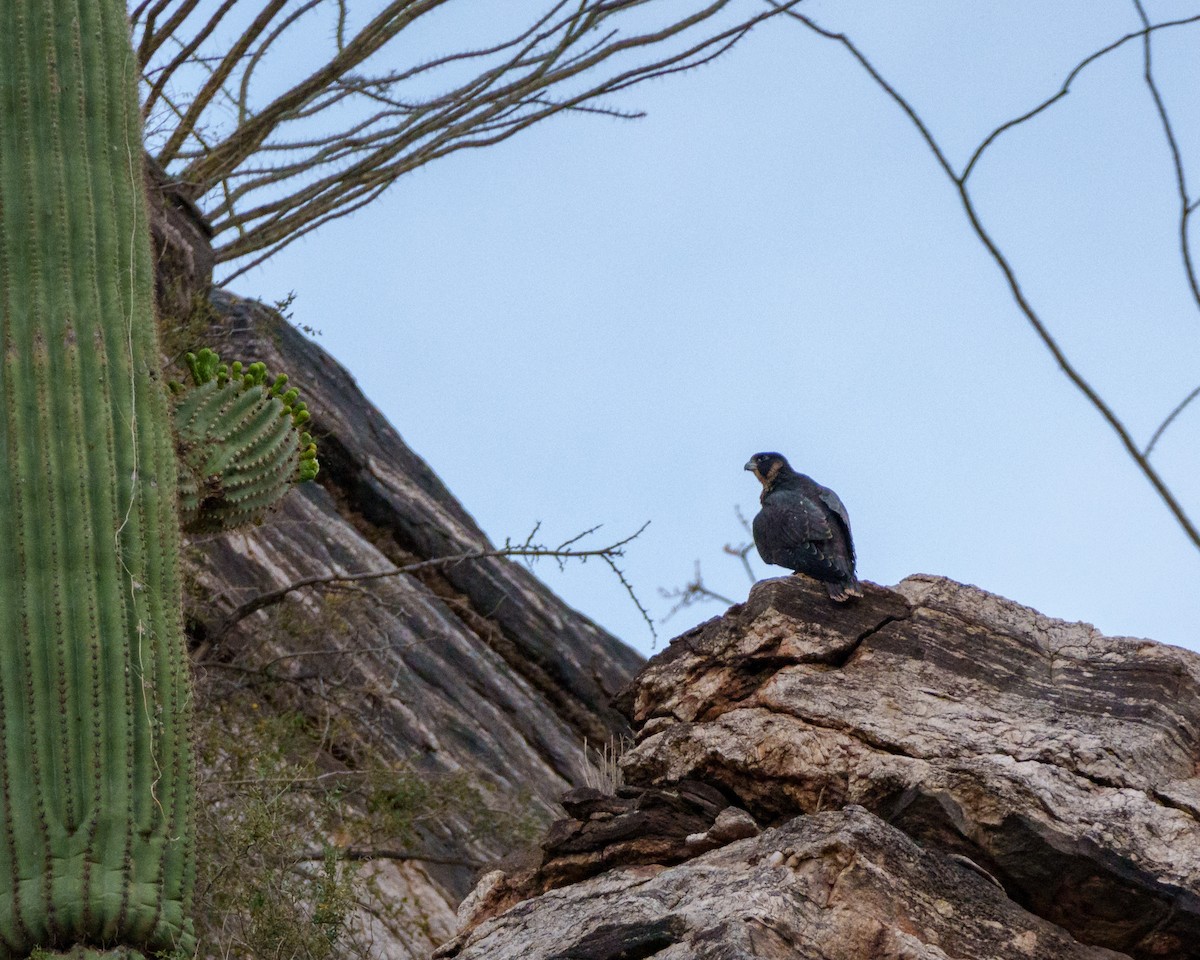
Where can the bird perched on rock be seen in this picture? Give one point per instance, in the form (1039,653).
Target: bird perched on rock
(803,526)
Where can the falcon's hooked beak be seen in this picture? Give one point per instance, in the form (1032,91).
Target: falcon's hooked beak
(774,464)
(752,466)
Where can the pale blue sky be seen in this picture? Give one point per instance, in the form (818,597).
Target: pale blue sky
(599,321)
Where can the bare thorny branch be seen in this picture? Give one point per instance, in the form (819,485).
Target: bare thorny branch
(269,167)
(1187,207)
(529,549)
(1139,455)
(367,854)
(696,590)
(693,592)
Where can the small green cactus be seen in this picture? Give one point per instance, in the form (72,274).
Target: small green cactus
(240,442)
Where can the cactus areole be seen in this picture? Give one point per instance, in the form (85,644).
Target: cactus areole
(95,764)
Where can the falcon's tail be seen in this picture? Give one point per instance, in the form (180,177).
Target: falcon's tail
(845,590)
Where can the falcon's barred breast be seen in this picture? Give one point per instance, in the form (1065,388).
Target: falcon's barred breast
(803,526)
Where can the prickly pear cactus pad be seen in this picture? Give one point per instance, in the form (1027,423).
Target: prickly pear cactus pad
(95,757)
(241,444)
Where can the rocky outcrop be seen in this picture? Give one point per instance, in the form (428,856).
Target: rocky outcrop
(389,508)
(834,886)
(635,826)
(947,774)
(182,243)
(473,674)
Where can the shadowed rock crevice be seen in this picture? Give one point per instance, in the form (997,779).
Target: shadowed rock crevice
(625,941)
(840,659)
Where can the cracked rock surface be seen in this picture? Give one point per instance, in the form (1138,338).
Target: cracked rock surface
(835,886)
(925,732)
(656,825)
(1062,761)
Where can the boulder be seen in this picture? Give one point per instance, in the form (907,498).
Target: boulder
(927,732)
(839,885)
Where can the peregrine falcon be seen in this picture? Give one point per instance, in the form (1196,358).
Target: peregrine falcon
(803,526)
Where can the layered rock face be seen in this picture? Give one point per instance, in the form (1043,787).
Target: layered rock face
(474,671)
(377,504)
(940,773)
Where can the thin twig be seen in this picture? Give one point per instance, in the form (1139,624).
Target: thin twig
(1185,205)
(375,853)
(287,781)
(607,558)
(528,549)
(743,552)
(1066,87)
(1179,408)
(694,591)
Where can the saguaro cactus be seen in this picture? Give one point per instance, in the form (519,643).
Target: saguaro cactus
(95,766)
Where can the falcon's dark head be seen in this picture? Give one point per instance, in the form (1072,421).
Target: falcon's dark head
(768,466)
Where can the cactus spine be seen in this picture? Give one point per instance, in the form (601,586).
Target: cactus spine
(95,772)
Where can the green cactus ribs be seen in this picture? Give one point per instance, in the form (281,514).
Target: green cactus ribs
(241,443)
(96,793)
